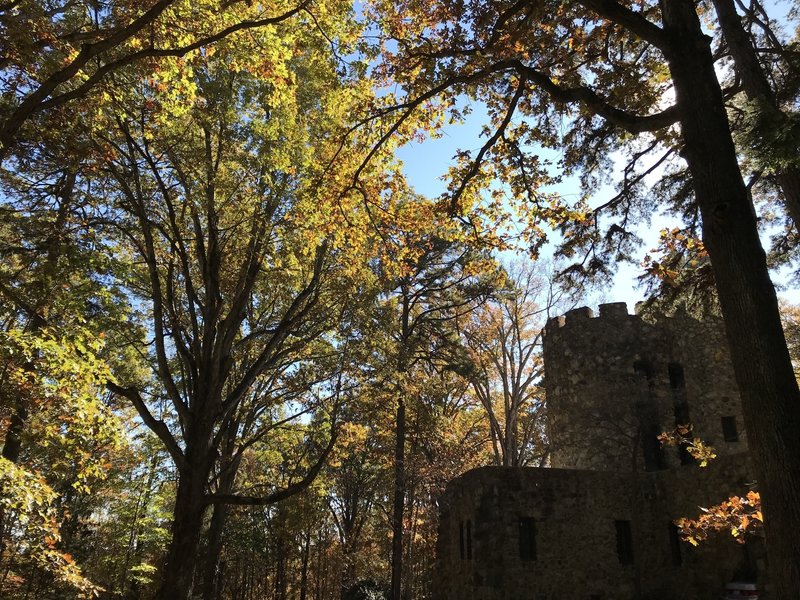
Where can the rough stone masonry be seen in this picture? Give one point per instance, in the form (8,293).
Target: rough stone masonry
(597,525)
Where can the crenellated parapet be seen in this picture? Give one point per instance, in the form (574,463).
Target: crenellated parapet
(615,381)
(594,525)
(584,316)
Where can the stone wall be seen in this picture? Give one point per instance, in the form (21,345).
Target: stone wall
(487,513)
(598,526)
(615,381)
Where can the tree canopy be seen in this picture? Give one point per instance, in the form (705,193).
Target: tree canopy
(232,336)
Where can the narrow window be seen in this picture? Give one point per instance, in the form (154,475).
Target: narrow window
(527,538)
(643,368)
(469,540)
(461,545)
(685,457)
(676,378)
(624,542)
(682,420)
(729,430)
(675,545)
(652,451)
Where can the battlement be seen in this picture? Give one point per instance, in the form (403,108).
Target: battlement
(615,381)
(645,375)
(612,311)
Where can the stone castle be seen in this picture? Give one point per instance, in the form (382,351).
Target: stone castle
(598,525)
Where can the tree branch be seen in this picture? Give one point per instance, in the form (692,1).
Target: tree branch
(157,426)
(631,20)
(597,104)
(37,100)
(283,493)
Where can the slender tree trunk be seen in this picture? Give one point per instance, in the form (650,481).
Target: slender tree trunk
(348,570)
(398,504)
(398,501)
(788,180)
(280,567)
(219,516)
(769,391)
(304,565)
(512,444)
(13,442)
(216,529)
(408,577)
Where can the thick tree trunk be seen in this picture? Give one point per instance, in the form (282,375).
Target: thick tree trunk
(770,396)
(187,525)
(398,504)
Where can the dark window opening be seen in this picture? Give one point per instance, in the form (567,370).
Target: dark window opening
(461,545)
(685,456)
(643,367)
(652,450)
(624,542)
(676,378)
(675,545)
(469,540)
(682,414)
(682,423)
(527,538)
(729,430)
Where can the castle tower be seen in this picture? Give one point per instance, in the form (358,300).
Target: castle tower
(600,523)
(615,382)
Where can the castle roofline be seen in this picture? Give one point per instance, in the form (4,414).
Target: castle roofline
(607,312)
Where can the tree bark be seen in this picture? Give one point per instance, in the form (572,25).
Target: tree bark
(304,565)
(769,391)
(757,88)
(398,503)
(219,516)
(187,524)
(281,558)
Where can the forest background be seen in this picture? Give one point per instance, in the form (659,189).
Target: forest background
(242,353)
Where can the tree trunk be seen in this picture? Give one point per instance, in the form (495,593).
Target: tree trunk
(770,396)
(398,504)
(16,425)
(219,517)
(214,549)
(757,88)
(187,525)
(304,565)
(281,584)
